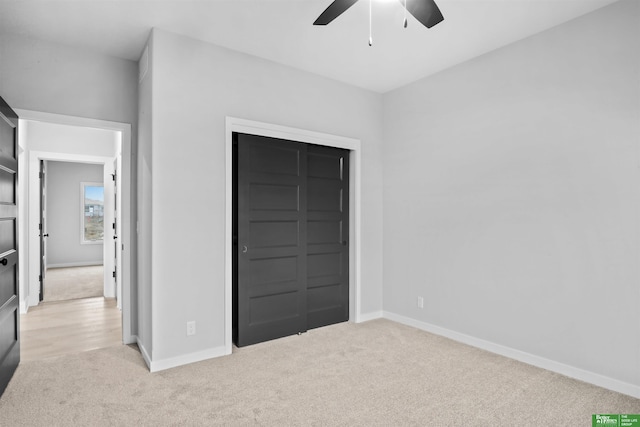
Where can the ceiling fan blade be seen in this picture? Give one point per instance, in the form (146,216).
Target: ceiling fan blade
(334,10)
(425,11)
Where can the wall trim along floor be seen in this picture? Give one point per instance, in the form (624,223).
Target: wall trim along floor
(540,362)
(173,362)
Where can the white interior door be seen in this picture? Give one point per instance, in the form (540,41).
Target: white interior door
(117,253)
(43,226)
(45,229)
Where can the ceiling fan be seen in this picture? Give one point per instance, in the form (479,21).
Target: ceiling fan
(425,11)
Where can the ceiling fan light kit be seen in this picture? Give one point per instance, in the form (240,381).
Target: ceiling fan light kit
(425,11)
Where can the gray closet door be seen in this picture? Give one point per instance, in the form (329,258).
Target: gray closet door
(290,245)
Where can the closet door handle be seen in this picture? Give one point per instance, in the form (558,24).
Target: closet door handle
(4,261)
(244,249)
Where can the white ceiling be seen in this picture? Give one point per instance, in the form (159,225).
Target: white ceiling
(282,31)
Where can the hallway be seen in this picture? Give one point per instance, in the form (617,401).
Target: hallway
(63,327)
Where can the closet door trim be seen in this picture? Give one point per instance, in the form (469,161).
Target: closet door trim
(239,125)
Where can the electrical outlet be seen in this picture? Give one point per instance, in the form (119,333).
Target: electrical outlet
(420,302)
(191,328)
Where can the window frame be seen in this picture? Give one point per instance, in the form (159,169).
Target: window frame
(83,185)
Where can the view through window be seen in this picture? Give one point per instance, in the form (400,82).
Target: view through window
(93,212)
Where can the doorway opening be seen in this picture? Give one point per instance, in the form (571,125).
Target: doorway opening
(97,227)
(76,200)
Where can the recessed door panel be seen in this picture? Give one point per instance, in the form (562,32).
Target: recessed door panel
(322,265)
(325,195)
(273,308)
(325,166)
(8,328)
(7,195)
(270,234)
(275,160)
(273,197)
(324,232)
(272,270)
(7,133)
(7,235)
(8,284)
(325,297)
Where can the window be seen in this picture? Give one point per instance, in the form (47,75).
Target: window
(92,205)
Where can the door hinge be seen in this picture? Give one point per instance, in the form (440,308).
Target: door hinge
(41,175)
(114,274)
(40,278)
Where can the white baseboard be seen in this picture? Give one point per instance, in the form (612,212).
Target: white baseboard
(33,300)
(129,338)
(365,317)
(531,359)
(75,264)
(172,362)
(24,306)
(145,354)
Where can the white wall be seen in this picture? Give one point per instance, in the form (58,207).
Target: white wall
(512,197)
(63,214)
(66,139)
(195,86)
(47,77)
(145,218)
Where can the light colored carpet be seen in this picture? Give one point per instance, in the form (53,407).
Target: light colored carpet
(378,373)
(73,282)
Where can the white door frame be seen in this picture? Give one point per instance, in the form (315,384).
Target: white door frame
(125,237)
(33,207)
(292,134)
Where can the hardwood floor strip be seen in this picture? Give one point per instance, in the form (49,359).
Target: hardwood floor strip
(63,327)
